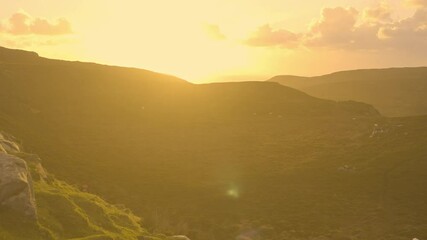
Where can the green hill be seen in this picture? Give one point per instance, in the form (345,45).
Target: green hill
(395,92)
(65,212)
(221,161)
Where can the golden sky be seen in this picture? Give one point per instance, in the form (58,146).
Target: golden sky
(222,40)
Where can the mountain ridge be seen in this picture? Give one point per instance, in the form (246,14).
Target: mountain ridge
(393,91)
(18,56)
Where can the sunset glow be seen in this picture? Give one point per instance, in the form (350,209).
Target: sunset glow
(222,40)
(213,119)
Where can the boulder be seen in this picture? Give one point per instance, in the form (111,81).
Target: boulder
(8,146)
(16,190)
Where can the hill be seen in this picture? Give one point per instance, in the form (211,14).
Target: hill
(395,92)
(57,210)
(221,161)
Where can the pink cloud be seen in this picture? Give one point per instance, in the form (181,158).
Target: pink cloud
(417,3)
(373,29)
(23,24)
(381,13)
(335,27)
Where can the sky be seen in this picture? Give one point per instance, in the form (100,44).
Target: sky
(222,40)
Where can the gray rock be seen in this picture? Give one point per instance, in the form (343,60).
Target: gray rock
(16,190)
(8,146)
(2,150)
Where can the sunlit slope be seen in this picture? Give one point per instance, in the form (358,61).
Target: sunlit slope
(68,213)
(217,161)
(394,92)
(61,211)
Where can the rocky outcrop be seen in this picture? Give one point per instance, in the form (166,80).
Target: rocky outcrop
(7,145)
(16,190)
(2,150)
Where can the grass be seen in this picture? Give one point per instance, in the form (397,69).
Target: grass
(71,213)
(65,212)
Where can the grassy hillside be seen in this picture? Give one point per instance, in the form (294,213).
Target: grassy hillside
(66,212)
(395,92)
(221,161)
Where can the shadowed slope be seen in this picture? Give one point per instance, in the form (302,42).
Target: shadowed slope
(395,91)
(218,161)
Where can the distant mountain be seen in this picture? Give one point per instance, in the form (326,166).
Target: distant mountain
(250,160)
(394,92)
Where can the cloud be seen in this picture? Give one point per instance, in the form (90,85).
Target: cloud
(417,3)
(335,27)
(214,32)
(266,36)
(372,29)
(381,13)
(21,23)
(18,24)
(411,31)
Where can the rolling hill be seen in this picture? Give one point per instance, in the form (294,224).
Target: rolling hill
(395,92)
(52,209)
(251,160)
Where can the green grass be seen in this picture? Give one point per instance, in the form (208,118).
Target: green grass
(65,212)
(72,214)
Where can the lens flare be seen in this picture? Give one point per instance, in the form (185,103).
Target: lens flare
(233,192)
